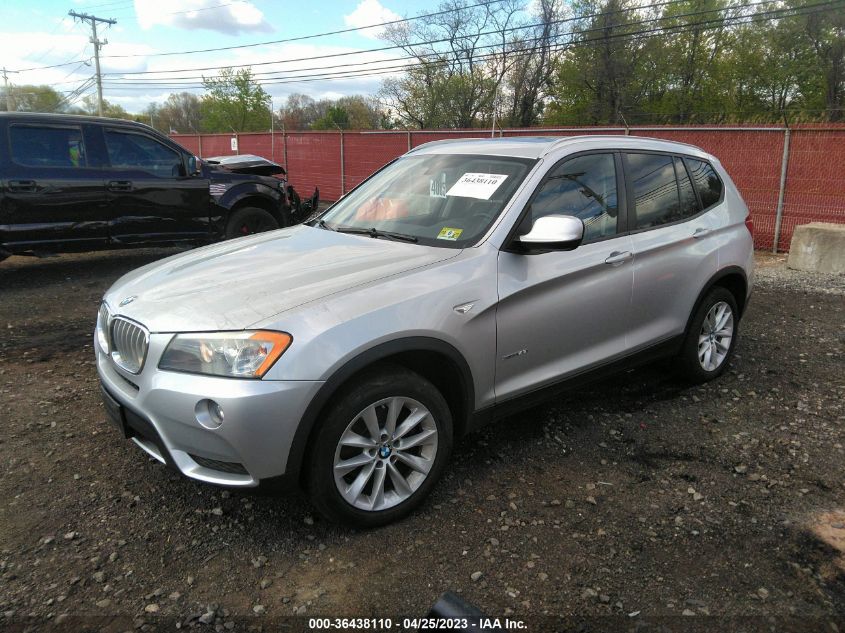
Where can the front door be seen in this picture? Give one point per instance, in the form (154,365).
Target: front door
(560,313)
(152,197)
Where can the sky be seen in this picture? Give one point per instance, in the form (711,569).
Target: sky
(39,33)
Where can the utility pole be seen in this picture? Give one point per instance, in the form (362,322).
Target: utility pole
(10,104)
(92,20)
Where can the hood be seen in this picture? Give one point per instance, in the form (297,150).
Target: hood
(246,164)
(232,285)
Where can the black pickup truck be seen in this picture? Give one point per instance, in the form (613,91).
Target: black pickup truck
(75,183)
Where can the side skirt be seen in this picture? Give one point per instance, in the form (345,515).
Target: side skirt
(519,403)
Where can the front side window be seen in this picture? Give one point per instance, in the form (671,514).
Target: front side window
(656,195)
(707,182)
(47,146)
(585,187)
(446,200)
(137,151)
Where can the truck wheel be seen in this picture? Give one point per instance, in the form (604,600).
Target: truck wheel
(249,220)
(380,449)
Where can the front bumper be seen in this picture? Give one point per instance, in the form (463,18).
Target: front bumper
(159,415)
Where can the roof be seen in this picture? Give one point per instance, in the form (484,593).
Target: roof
(72,118)
(538,146)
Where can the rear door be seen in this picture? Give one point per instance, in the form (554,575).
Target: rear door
(675,249)
(562,312)
(152,197)
(53,194)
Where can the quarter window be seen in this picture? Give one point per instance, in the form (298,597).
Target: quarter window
(41,146)
(137,151)
(586,188)
(689,203)
(707,182)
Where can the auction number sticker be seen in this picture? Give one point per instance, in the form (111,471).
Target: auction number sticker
(475,185)
(447,233)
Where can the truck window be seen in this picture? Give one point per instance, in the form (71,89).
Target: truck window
(138,151)
(47,146)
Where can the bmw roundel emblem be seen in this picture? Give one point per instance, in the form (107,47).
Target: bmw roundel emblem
(127,301)
(384,451)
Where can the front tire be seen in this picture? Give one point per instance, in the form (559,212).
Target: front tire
(711,338)
(250,220)
(381,448)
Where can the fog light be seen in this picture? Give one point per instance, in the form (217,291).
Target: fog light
(209,414)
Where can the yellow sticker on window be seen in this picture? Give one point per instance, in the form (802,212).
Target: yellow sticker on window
(447,233)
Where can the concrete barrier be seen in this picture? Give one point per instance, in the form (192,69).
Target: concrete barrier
(818,247)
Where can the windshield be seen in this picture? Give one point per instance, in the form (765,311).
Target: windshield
(444,200)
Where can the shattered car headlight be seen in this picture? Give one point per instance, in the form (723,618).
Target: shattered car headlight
(247,354)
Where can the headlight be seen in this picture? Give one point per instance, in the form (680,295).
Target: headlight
(103,328)
(232,354)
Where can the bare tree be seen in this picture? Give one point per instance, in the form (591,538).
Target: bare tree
(460,58)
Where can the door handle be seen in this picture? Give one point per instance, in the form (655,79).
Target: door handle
(120,185)
(701,232)
(22,185)
(618,257)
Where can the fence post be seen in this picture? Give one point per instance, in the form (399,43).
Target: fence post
(342,162)
(285,148)
(199,150)
(409,141)
(784,166)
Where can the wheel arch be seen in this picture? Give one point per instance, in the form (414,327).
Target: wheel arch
(732,278)
(261,199)
(436,360)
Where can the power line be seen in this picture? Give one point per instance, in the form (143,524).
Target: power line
(429,42)
(312,36)
(658,31)
(643,35)
(169,80)
(304,37)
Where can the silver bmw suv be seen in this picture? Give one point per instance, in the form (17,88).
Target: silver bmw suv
(461,282)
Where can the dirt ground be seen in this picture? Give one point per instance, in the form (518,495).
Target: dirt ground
(637,498)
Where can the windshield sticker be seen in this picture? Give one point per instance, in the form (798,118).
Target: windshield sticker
(480,186)
(450,234)
(437,186)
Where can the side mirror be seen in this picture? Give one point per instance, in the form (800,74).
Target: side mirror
(194,166)
(554,232)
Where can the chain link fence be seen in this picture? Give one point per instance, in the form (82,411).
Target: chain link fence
(787,176)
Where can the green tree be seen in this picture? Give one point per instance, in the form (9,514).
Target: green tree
(29,98)
(110,110)
(335,117)
(234,101)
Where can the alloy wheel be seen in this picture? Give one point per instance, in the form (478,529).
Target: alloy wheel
(385,453)
(715,336)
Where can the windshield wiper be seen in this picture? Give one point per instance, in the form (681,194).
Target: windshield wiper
(323,225)
(374,232)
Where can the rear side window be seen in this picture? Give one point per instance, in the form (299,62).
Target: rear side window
(656,197)
(586,188)
(707,182)
(47,146)
(137,151)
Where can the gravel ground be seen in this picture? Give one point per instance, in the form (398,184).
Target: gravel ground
(636,498)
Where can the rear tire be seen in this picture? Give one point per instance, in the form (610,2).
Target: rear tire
(248,221)
(710,341)
(380,449)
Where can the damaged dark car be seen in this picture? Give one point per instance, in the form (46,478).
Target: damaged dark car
(76,183)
